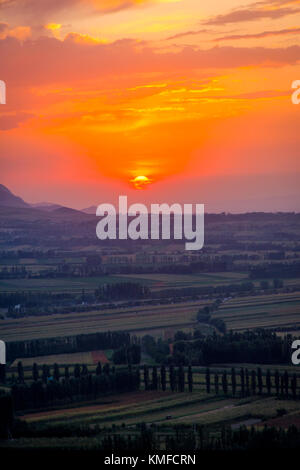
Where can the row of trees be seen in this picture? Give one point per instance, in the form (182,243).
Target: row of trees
(258,347)
(33,299)
(275,271)
(160,377)
(47,373)
(85,386)
(251,382)
(67,344)
(182,439)
(243,382)
(226,289)
(121,290)
(130,354)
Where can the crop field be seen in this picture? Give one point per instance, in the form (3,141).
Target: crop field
(292,419)
(71,284)
(240,313)
(167,408)
(135,320)
(88,357)
(261,311)
(156,281)
(168,281)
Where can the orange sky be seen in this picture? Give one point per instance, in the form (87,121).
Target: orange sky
(195,97)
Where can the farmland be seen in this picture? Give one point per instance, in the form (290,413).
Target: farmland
(155,407)
(240,313)
(167,281)
(261,311)
(88,357)
(155,282)
(150,316)
(135,320)
(72,285)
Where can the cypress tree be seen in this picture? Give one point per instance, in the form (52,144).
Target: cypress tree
(233,381)
(56,372)
(99,369)
(242,375)
(207,380)
(181,379)
(247,382)
(77,371)
(282,385)
(163,378)
(259,380)
(190,379)
(20,372)
(35,372)
(138,378)
(253,382)
(172,378)
(45,373)
(268,382)
(224,382)
(146,377)
(277,381)
(216,384)
(154,378)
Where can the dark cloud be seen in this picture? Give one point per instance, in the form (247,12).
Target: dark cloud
(188,33)
(34,11)
(256,11)
(262,34)
(48,60)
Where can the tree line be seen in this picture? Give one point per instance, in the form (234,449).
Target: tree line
(257,346)
(67,344)
(243,382)
(260,347)
(180,439)
(121,290)
(56,390)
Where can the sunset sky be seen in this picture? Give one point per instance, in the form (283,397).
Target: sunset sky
(195,96)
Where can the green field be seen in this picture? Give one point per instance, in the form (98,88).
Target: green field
(168,281)
(240,313)
(142,320)
(66,284)
(168,408)
(261,311)
(87,358)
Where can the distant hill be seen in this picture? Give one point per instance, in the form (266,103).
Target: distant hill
(90,210)
(66,214)
(40,210)
(62,210)
(8,199)
(45,206)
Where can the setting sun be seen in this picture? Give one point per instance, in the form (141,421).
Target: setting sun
(140,182)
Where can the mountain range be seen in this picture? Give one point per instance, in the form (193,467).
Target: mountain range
(10,200)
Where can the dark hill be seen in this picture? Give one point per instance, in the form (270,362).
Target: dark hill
(8,199)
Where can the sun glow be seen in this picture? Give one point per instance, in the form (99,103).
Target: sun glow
(140,182)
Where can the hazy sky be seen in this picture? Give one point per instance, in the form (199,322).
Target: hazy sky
(195,96)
